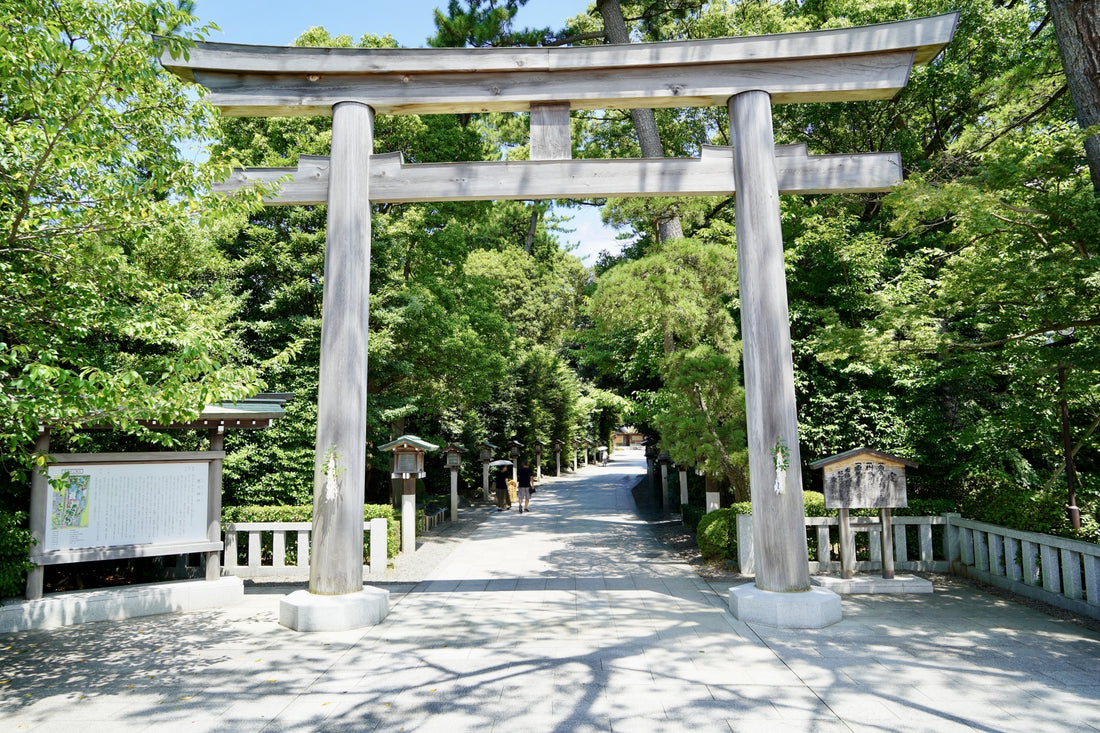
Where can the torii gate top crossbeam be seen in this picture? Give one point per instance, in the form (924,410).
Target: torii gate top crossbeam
(866,62)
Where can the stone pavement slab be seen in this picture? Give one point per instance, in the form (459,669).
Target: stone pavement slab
(570,618)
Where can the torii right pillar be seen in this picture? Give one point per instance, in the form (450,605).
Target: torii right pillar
(782,595)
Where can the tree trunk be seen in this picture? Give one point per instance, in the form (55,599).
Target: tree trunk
(645,124)
(1077,28)
(532,228)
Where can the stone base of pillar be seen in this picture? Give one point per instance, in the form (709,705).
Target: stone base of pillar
(812,609)
(713,501)
(305,611)
(873,584)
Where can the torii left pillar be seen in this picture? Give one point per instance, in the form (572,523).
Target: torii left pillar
(337,599)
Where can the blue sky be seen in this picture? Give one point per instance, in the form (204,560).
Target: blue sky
(410,22)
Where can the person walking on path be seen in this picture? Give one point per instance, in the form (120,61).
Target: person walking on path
(501,484)
(526,478)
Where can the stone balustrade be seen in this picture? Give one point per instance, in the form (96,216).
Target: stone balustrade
(255,567)
(1056,570)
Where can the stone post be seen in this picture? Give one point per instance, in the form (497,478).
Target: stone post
(339,472)
(683,488)
(664,485)
(408,515)
(454,493)
(713,499)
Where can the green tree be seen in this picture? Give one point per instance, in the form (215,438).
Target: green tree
(676,305)
(114,308)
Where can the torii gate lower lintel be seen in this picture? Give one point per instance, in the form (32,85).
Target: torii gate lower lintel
(749,74)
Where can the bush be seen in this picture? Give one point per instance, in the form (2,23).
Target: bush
(717,532)
(692,515)
(15,540)
(714,534)
(1018,508)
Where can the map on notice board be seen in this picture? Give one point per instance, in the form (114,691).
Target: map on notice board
(120,504)
(70,503)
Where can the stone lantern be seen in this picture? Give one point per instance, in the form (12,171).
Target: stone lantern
(485,453)
(864,479)
(514,451)
(537,446)
(664,459)
(408,465)
(454,453)
(588,443)
(576,450)
(651,452)
(682,470)
(558,445)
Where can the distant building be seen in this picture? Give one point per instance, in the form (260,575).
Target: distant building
(627,436)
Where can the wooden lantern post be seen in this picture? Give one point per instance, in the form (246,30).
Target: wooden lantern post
(683,489)
(558,445)
(536,447)
(485,453)
(408,465)
(514,451)
(664,460)
(454,453)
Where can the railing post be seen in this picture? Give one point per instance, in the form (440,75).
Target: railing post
(229,559)
(303,548)
(1012,559)
(1092,579)
(997,554)
(1052,575)
(746,552)
(1029,552)
(379,537)
(824,547)
(1071,575)
(951,537)
(254,547)
(966,546)
(278,548)
(926,553)
(981,550)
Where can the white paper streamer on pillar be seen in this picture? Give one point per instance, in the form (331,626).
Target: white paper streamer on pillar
(780,472)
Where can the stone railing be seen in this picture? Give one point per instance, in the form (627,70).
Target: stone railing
(254,566)
(820,531)
(1058,571)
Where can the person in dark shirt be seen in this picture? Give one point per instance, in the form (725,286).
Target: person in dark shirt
(500,482)
(525,477)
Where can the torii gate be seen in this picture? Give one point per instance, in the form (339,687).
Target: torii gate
(748,74)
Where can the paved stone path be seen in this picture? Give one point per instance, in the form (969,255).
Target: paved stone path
(570,618)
